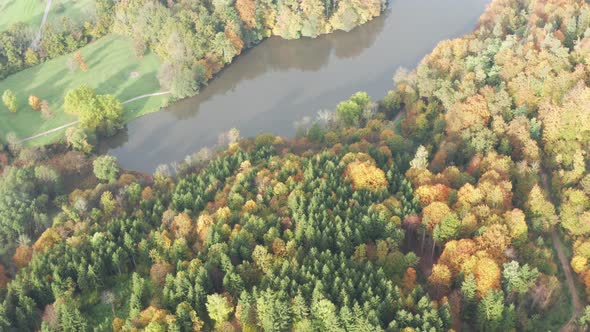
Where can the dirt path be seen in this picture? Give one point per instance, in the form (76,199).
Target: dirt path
(571,325)
(569,279)
(37,40)
(45,133)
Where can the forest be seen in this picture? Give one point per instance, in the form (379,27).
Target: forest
(459,202)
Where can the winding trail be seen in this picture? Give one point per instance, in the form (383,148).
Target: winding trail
(37,40)
(45,133)
(571,325)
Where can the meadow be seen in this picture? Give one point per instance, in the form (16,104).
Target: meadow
(112,69)
(31,12)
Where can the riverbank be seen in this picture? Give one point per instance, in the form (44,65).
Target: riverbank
(67,125)
(280,83)
(112,69)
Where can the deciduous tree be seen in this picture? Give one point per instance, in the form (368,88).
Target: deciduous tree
(106,168)
(35,103)
(10,101)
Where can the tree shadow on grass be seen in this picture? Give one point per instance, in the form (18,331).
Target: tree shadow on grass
(57,77)
(138,105)
(97,56)
(29,83)
(129,91)
(112,84)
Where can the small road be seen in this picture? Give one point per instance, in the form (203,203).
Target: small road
(571,325)
(37,40)
(45,133)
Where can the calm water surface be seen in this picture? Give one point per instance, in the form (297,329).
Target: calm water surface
(279,82)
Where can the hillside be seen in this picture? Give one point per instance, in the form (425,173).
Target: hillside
(459,202)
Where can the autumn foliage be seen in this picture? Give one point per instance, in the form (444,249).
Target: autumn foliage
(22,256)
(159,271)
(247,11)
(487,275)
(46,240)
(3,277)
(149,315)
(35,103)
(440,279)
(364,175)
(182,226)
(80,61)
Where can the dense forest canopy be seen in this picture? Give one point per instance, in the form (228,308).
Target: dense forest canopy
(442,207)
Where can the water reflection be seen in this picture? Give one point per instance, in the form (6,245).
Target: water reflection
(279,82)
(276,54)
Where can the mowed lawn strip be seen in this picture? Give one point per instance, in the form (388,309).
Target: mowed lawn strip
(112,69)
(31,12)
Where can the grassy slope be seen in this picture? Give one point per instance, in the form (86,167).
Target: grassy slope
(31,11)
(110,61)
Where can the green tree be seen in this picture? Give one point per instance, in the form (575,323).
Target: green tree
(350,111)
(324,316)
(218,308)
(100,112)
(448,229)
(194,79)
(584,320)
(106,168)
(24,196)
(78,139)
(518,279)
(316,133)
(493,315)
(187,318)
(69,317)
(10,101)
(274,312)
(469,293)
(137,295)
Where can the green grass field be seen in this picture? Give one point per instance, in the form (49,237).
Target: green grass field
(31,12)
(113,69)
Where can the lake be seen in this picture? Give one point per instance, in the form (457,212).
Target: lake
(278,83)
